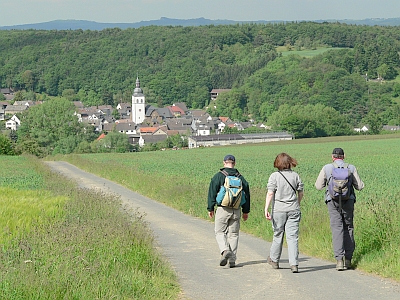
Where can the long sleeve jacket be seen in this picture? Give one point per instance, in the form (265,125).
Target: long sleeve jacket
(218,180)
(325,176)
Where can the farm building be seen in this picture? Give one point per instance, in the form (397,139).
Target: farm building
(236,139)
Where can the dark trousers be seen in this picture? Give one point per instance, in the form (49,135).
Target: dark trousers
(342,228)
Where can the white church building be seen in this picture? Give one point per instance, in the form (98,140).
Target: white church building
(138,104)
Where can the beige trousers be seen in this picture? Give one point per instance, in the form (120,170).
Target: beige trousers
(227,225)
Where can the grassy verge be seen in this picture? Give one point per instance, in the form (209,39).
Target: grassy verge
(80,246)
(180,179)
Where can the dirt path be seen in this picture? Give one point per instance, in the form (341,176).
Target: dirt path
(190,246)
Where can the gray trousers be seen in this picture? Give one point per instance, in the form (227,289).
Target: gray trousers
(288,222)
(227,225)
(342,228)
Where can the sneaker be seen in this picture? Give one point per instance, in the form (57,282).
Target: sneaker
(294,269)
(347,264)
(232,264)
(224,257)
(339,265)
(274,265)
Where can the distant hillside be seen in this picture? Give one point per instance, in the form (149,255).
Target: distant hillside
(91,25)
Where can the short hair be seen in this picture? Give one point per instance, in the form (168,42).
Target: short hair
(284,161)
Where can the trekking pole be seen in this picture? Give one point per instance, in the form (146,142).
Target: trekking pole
(340,200)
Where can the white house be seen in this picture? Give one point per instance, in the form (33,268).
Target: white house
(13,123)
(362,129)
(203,129)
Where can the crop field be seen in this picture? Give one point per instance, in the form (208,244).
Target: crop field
(181,178)
(15,174)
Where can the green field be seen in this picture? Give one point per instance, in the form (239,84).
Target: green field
(61,242)
(182,179)
(49,231)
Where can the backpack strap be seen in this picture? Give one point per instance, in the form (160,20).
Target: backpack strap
(226,173)
(288,181)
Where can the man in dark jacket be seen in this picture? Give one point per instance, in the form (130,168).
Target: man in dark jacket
(227,219)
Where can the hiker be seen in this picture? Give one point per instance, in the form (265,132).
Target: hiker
(285,191)
(227,219)
(341,209)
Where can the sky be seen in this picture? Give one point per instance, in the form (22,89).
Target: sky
(18,12)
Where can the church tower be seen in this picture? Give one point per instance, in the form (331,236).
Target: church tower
(138,104)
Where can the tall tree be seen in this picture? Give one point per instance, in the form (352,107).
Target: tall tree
(50,124)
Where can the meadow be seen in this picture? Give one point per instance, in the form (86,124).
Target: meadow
(306,52)
(61,242)
(180,179)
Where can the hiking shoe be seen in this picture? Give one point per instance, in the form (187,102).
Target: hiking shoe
(339,265)
(232,264)
(274,265)
(224,257)
(294,269)
(347,264)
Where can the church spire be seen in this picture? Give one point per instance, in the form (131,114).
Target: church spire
(137,81)
(138,90)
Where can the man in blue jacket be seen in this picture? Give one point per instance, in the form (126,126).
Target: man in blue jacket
(227,219)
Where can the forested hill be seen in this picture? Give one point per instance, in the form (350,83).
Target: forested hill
(178,64)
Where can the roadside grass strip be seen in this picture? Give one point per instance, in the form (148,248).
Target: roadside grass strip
(71,243)
(21,211)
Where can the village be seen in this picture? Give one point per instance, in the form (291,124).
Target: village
(145,124)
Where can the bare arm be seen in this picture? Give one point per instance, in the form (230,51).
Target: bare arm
(300,195)
(268,200)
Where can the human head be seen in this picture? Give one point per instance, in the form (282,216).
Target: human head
(229,160)
(337,153)
(284,161)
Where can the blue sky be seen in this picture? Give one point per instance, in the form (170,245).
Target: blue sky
(16,12)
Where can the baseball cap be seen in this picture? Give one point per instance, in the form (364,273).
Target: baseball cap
(338,151)
(229,157)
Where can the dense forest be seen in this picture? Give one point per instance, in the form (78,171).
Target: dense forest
(323,95)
